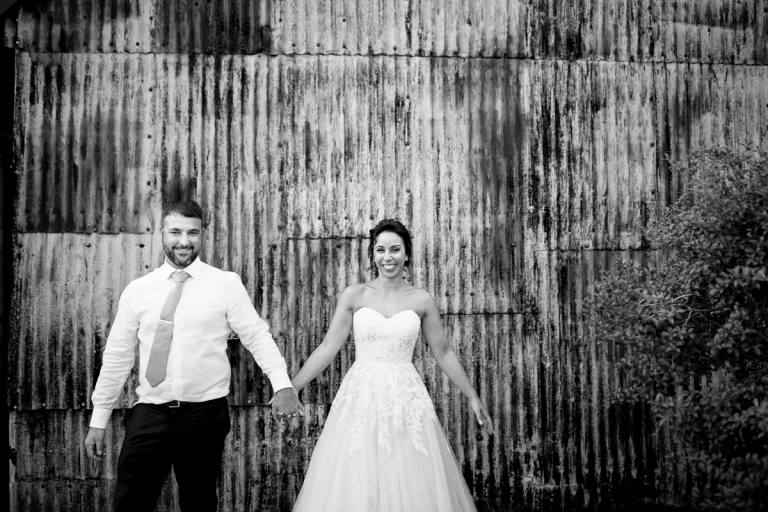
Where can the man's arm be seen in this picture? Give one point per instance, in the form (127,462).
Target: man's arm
(254,335)
(117,361)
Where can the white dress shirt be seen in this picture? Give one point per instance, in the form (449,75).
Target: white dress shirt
(213,304)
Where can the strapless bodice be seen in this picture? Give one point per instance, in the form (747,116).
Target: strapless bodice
(381,339)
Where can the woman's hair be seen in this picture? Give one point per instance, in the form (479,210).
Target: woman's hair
(396,227)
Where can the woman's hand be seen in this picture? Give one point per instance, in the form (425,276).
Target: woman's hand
(483,418)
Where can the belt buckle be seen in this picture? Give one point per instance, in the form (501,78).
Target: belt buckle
(178,404)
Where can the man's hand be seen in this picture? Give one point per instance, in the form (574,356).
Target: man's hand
(285,404)
(94,443)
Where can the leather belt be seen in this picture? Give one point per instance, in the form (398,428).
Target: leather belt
(174,404)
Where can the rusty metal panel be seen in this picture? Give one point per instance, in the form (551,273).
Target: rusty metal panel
(722,106)
(66,291)
(56,495)
(465,135)
(91,26)
(706,31)
(592,160)
(604,134)
(310,269)
(582,438)
(87,148)
(139,26)
(252,130)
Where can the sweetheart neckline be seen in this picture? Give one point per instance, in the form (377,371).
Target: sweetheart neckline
(388,317)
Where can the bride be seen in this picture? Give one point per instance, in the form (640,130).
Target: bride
(382,448)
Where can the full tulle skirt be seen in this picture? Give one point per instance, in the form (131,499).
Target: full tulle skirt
(394,459)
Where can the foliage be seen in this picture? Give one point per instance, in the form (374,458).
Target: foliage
(693,331)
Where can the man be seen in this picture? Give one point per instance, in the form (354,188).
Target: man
(180,315)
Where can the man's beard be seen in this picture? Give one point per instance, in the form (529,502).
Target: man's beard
(176,260)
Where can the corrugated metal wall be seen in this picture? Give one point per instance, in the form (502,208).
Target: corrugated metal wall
(695,31)
(525,143)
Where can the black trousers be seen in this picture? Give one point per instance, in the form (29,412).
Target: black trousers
(190,438)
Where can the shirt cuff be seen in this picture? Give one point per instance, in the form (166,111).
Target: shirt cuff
(100,417)
(280,380)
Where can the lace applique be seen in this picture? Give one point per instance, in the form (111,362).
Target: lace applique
(384,396)
(383,390)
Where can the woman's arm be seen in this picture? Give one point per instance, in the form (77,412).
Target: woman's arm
(338,332)
(447,360)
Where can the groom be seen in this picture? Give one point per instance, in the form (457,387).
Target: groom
(180,316)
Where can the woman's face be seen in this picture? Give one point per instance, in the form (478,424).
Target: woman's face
(389,254)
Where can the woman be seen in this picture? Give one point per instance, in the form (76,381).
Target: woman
(382,448)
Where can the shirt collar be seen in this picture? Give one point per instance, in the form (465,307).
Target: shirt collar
(193,269)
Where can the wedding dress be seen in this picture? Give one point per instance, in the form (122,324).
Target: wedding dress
(382,448)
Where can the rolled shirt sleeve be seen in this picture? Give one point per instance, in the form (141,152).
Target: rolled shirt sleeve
(117,361)
(255,336)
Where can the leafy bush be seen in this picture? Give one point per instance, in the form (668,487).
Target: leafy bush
(693,331)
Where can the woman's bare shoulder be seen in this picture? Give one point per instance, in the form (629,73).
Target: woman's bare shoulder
(354,291)
(421,298)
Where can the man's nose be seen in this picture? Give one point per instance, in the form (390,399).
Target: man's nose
(184,239)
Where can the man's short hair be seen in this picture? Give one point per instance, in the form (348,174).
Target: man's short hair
(183,208)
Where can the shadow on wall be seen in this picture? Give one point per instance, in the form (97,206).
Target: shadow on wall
(181,188)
